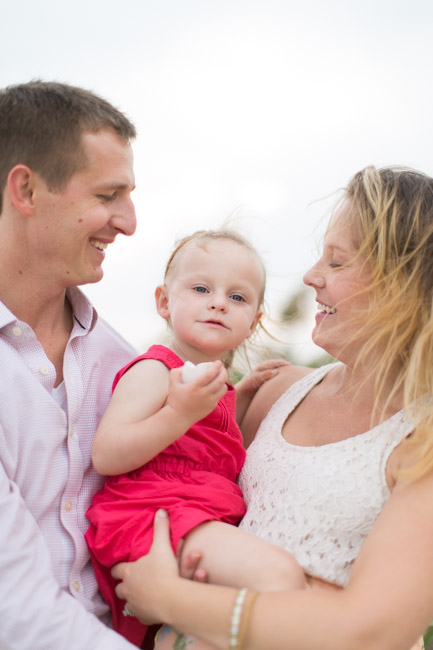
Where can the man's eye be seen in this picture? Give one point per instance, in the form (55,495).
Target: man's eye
(237,297)
(200,289)
(108,197)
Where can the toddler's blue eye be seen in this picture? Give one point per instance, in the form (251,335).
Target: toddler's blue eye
(237,297)
(200,289)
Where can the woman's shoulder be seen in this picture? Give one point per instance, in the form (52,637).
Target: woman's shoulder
(287,376)
(267,395)
(271,390)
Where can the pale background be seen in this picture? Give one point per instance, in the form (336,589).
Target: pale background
(258,108)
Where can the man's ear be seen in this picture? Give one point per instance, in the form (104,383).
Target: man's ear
(21,186)
(161,299)
(255,323)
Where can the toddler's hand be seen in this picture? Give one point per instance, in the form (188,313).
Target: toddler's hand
(190,371)
(251,382)
(194,399)
(189,564)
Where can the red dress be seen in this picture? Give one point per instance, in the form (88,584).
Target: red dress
(194,479)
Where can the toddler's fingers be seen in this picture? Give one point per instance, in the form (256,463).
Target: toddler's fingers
(271,364)
(189,563)
(201,575)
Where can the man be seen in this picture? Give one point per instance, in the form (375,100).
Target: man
(66,176)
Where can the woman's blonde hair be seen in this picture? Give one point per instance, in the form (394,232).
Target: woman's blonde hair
(392,218)
(201,238)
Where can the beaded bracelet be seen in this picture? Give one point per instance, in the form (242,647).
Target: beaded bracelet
(239,618)
(245,617)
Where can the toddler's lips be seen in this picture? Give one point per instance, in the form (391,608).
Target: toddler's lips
(212,321)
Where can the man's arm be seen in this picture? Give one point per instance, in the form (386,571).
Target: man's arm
(35,614)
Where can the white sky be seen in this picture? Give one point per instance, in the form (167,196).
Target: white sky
(259,107)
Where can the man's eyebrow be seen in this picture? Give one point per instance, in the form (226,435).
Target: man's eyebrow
(117,186)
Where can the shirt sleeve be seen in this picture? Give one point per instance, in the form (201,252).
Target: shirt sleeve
(35,614)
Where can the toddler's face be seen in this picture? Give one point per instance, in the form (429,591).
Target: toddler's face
(213,296)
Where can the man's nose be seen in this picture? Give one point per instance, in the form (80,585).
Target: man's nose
(125,219)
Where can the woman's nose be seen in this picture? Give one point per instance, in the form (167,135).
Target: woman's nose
(314,276)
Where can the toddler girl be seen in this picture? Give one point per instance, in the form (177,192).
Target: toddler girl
(175,444)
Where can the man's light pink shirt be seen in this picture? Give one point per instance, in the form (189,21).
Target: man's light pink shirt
(48,594)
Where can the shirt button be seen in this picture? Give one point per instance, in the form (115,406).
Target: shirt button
(43,370)
(76,585)
(71,432)
(68,505)
(17,331)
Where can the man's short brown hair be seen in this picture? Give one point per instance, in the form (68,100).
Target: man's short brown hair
(41,124)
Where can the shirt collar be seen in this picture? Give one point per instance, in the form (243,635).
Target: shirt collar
(6,316)
(84,312)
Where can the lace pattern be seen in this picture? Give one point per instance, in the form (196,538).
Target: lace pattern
(319,502)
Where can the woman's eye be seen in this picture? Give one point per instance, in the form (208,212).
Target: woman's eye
(200,289)
(334,265)
(237,297)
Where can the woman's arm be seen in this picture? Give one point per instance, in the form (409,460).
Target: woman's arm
(177,601)
(386,606)
(151,408)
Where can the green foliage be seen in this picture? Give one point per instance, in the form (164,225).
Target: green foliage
(294,308)
(428,638)
(235,375)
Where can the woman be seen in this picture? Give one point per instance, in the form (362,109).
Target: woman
(374,289)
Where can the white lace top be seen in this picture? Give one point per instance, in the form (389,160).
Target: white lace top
(319,502)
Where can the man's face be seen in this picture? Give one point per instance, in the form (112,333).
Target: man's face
(77,223)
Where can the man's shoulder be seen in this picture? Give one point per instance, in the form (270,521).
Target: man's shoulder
(104,350)
(104,331)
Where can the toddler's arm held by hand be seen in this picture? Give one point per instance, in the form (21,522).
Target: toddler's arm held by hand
(122,442)
(151,408)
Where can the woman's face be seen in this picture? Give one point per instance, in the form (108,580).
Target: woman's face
(341,280)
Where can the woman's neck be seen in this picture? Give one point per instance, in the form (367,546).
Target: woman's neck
(360,386)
